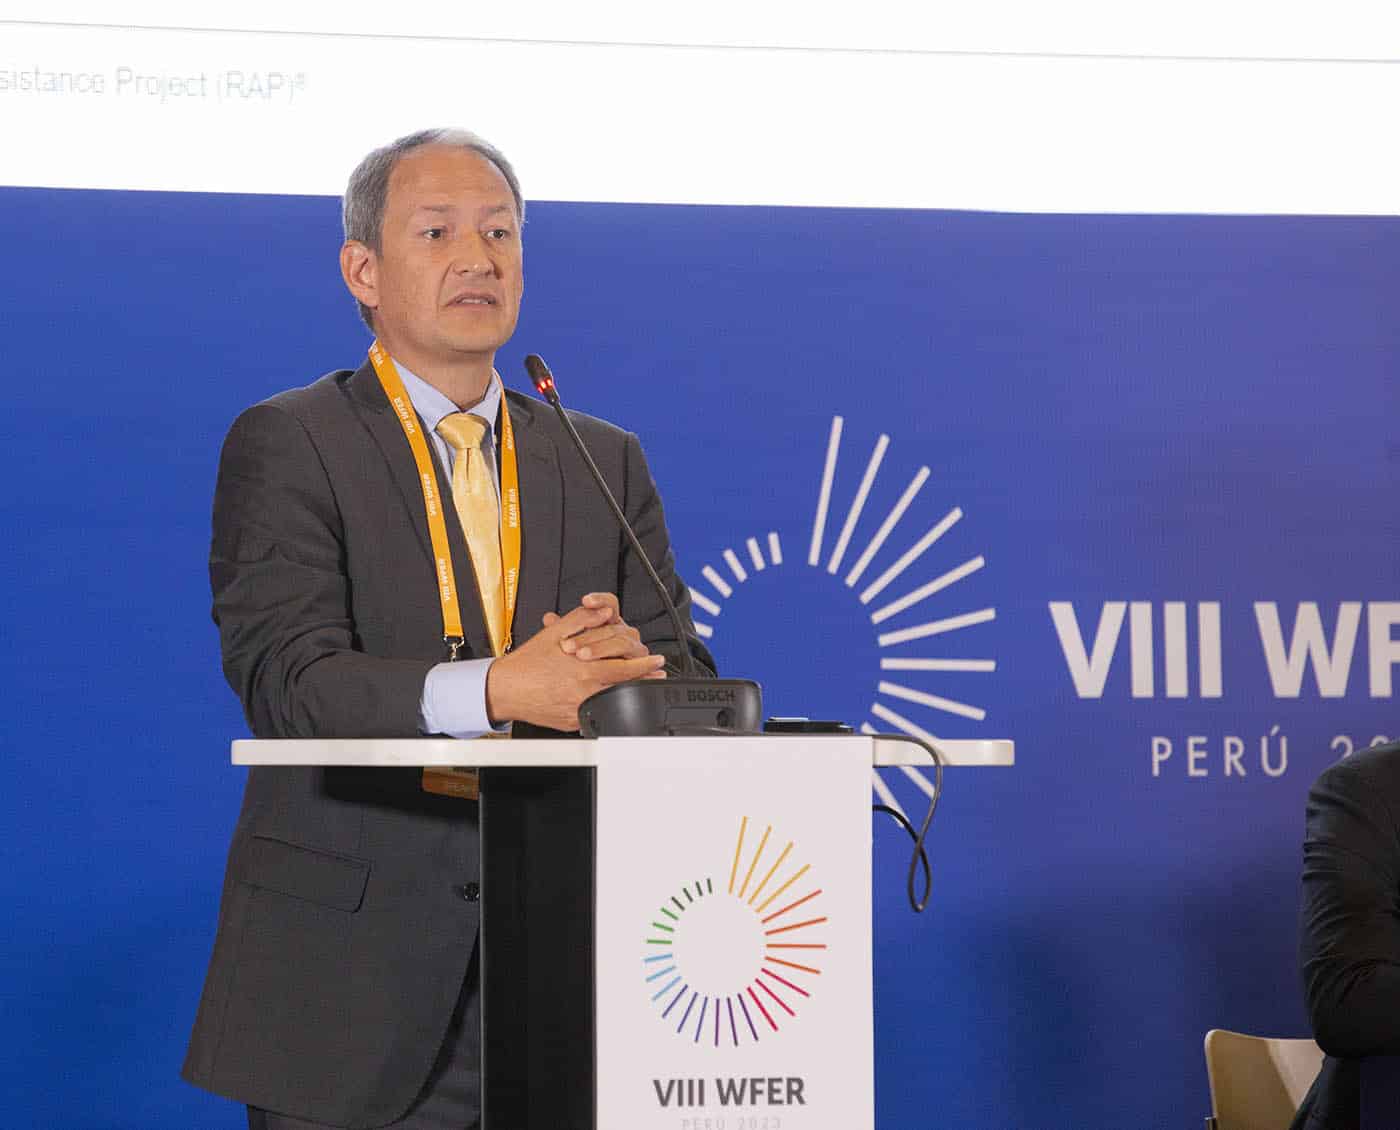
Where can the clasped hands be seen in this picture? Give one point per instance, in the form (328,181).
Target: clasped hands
(576,655)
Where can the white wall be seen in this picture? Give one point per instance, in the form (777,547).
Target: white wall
(1085,106)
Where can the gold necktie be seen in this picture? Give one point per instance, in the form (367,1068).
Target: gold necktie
(474,496)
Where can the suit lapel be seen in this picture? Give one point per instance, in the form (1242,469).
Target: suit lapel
(386,431)
(542,517)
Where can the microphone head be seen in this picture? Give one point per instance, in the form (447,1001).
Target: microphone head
(540,375)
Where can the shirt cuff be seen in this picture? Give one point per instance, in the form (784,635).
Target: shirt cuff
(454,700)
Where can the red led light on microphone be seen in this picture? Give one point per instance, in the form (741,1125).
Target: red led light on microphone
(542,377)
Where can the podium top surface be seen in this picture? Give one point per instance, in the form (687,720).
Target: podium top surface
(490,753)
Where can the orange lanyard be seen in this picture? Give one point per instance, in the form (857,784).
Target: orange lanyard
(392,384)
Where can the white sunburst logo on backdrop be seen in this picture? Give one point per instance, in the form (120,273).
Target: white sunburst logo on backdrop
(892,623)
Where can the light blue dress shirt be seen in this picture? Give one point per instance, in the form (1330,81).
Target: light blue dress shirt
(454,694)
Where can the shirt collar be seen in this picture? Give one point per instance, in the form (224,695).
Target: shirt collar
(432,404)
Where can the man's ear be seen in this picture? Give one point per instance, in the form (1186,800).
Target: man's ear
(359,267)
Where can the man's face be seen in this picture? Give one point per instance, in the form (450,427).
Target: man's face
(446,282)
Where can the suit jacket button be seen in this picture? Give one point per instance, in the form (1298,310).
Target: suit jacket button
(470,891)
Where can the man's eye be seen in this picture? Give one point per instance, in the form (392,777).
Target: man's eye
(499,233)
(434,233)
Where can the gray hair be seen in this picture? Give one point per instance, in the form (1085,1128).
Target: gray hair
(362,208)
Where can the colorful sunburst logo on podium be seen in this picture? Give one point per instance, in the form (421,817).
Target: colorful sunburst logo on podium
(734,964)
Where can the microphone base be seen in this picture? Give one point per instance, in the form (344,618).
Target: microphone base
(650,708)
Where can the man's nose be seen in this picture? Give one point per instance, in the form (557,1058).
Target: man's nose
(472,256)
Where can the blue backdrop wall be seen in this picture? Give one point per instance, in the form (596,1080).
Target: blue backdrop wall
(1142,427)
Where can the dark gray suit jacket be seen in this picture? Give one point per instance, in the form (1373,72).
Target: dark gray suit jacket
(1350,937)
(343,936)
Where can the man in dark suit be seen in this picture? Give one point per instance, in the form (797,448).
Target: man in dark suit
(1350,939)
(342,988)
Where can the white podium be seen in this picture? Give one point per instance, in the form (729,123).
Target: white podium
(675,931)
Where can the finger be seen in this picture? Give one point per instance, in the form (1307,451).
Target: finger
(625,670)
(612,647)
(550,618)
(578,620)
(607,632)
(602,600)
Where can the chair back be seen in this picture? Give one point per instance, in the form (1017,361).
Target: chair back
(1257,1082)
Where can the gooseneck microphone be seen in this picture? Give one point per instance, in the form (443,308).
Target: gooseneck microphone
(691,704)
(544,385)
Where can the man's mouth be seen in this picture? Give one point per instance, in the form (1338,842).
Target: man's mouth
(473,300)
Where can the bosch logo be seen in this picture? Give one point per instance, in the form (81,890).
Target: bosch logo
(709,697)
